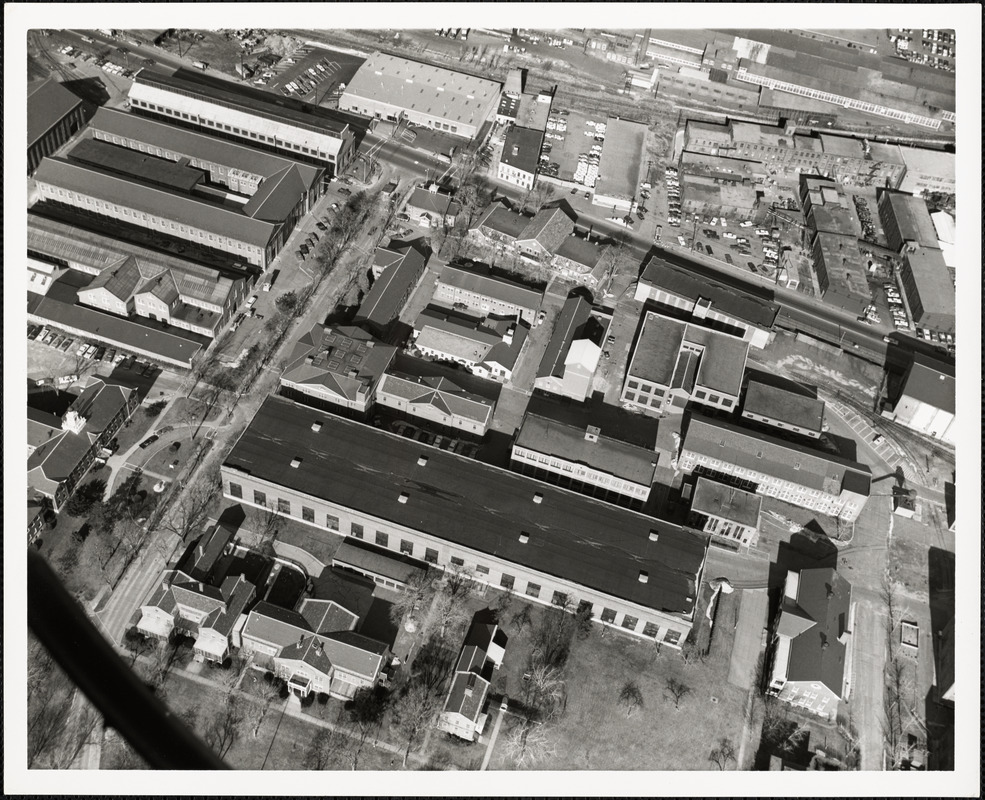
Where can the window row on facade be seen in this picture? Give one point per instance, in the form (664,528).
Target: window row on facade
(545,589)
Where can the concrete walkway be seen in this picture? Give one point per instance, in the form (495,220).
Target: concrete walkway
(492,740)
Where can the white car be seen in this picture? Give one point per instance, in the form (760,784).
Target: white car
(746,224)
(724,224)
(714,221)
(728,235)
(251,301)
(266,286)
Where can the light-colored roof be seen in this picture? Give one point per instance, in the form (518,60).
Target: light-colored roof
(472,279)
(622,157)
(453,96)
(440,393)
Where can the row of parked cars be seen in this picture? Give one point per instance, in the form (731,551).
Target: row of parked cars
(85,350)
(309,79)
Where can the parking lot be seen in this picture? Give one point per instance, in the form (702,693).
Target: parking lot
(312,74)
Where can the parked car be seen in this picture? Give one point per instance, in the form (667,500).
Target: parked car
(66,345)
(344,191)
(251,301)
(149,441)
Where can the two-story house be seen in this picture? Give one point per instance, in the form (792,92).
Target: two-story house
(482,653)
(809,660)
(206,613)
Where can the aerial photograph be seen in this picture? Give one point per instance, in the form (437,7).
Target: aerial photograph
(510,399)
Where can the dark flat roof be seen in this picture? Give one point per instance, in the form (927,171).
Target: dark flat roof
(47,105)
(726,502)
(473,504)
(253,101)
(126,162)
(694,280)
(777,403)
(932,382)
(527,143)
(554,438)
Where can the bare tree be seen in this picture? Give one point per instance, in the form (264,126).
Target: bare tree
(256,710)
(365,712)
(691,653)
(677,691)
(545,690)
(330,749)
(188,514)
(264,521)
(416,710)
(723,753)
(552,639)
(521,618)
(222,730)
(530,743)
(631,695)
(414,597)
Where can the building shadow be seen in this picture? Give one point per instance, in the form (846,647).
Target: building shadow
(810,550)
(92,92)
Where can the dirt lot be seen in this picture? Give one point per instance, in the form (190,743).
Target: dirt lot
(595,732)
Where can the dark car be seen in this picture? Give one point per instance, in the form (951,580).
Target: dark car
(728,258)
(100,352)
(345,191)
(321,226)
(149,441)
(149,369)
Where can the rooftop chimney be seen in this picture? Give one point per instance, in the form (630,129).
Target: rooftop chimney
(404,497)
(422,461)
(644,576)
(524,538)
(538,497)
(654,536)
(316,426)
(592,433)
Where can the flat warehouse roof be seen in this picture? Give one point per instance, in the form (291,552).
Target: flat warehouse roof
(622,155)
(792,407)
(179,208)
(473,505)
(127,162)
(423,88)
(521,148)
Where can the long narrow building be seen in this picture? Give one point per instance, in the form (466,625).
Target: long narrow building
(262,119)
(547,544)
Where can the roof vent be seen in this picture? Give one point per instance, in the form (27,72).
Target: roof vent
(422,461)
(524,537)
(316,426)
(296,462)
(644,576)
(538,498)
(592,433)
(654,536)
(404,497)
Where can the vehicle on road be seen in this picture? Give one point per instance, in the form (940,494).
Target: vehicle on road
(728,259)
(266,286)
(149,441)
(251,301)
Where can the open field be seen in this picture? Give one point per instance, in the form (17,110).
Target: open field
(595,731)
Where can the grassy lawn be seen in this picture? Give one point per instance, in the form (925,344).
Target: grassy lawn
(595,732)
